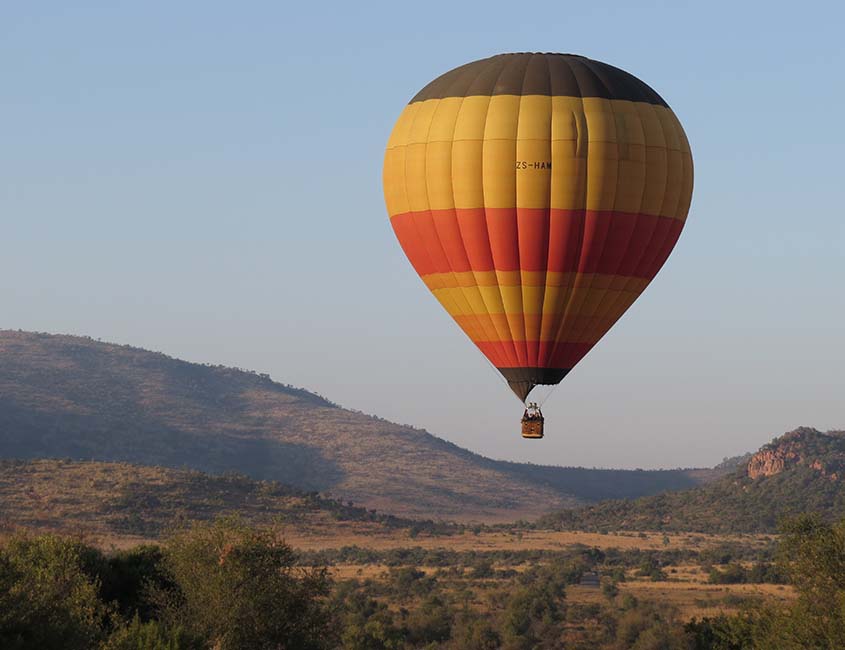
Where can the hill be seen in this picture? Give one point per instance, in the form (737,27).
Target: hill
(801,471)
(120,500)
(73,397)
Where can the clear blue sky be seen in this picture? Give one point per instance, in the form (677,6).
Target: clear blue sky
(204,179)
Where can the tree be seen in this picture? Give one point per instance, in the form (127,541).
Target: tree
(812,554)
(239,589)
(647,628)
(366,623)
(472,632)
(48,595)
(722,632)
(431,622)
(128,577)
(533,613)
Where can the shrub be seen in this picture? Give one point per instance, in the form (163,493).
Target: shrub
(238,587)
(152,635)
(48,595)
(733,574)
(128,578)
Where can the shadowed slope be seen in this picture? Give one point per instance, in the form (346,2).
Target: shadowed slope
(64,396)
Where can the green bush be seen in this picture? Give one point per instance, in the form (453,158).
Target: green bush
(128,578)
(472,632)
(237,587)
(431,622)
(732,574)
(152,635)
(48,595)
(366,624)
(647,628)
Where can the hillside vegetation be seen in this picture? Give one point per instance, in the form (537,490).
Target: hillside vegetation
(112,501)
(800,472)
(73,397)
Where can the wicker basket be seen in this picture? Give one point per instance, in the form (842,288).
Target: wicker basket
(532,427)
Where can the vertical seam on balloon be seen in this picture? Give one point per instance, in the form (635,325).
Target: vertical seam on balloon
(548,220)
(524,343)
(485,321)
(637,266)
(595,320)
(566,297)
(644,262)
(414,219)
(486,223)
(626,285)
(405,191)
(690,163)
(588,322)
(578,273)
(680,199)
(681,137)
(505,336)
(579,331)
(559,308)
(462,293)
(582,330)
(662,212)
(516,214)
(497,339)
(540,363)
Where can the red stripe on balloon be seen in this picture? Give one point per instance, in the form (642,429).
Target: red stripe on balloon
(566,354)
(564,241)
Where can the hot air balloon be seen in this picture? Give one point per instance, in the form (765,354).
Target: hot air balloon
(537,195)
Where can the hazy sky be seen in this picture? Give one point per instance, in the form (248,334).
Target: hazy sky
(204,179)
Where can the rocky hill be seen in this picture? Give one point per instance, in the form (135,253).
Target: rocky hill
(804,447)
(801,471)
(73,397)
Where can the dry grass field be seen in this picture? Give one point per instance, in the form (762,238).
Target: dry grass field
(699,599)
(686,588)
(690,594)
(316,536)
(118,506)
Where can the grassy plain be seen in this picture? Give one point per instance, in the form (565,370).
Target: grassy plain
(686,587)
(118,506)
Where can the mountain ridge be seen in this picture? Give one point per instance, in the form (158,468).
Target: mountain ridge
(74,397)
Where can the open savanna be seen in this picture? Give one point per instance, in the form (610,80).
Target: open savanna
(686,590)
(479,564)
(119,506)
(319,535)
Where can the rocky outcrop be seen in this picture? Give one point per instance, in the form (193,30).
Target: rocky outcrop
(799,447)
(768,462)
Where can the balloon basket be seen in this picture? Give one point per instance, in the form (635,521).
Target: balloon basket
(532,428)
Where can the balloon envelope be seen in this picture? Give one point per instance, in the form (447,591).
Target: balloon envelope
(537,195)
